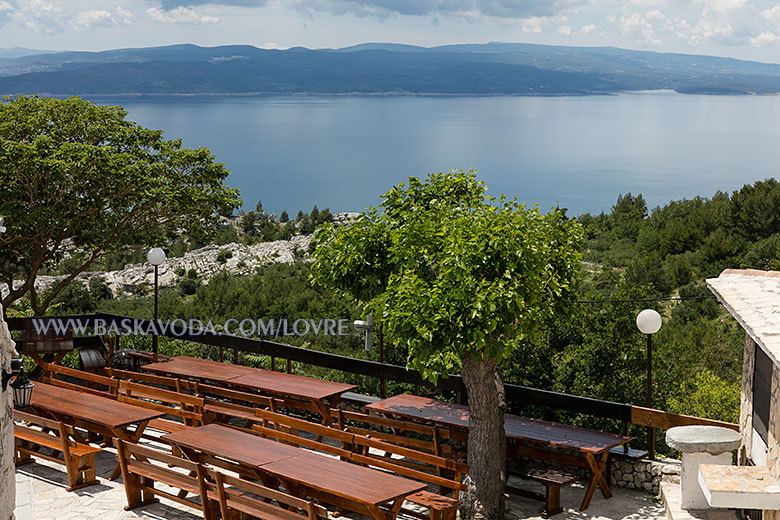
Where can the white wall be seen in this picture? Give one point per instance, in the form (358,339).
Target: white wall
(7,473)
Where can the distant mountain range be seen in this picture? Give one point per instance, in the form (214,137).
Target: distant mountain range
(378,68)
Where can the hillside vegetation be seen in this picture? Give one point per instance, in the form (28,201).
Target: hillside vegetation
(592,348)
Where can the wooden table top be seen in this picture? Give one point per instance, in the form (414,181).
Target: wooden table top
(291,384)
(185,366)
(88,407)
(515,427)
(228,443)
(343,479)
(255,378)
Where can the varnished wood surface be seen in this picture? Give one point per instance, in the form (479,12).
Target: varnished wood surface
(185,366)
(255,378)
(291,384)
(228,443)
(342,479)
(87,407)
(516,427)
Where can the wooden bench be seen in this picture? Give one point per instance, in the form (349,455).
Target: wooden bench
(445,473)
(78,458)
(187,408)
(169,383)
(140,474)
(552,479)
(57,374)
(252,499)
(223,404)
(302,433)
(414,435)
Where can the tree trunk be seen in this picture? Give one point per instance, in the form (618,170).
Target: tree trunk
(484,499)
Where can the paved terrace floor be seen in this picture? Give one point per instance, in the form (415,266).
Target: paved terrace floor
(41,495)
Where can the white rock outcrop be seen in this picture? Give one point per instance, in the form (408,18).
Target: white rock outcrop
(244,260)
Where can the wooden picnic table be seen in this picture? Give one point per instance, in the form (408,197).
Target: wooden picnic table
(96,414)
(231,444)
(322,395)
(591,446)
(304,474)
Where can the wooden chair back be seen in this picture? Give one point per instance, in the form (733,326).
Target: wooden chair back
(187,407)
(426,467)
(225,404)
(139,474)
(86,381)
(254,500)
(300,432)
(169,383)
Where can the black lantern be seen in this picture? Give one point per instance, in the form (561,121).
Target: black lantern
(22,386)
(22,390)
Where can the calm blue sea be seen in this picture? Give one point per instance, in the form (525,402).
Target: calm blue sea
(579,152)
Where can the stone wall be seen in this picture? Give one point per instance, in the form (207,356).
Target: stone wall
(7,473)
(773,440)
(643,474)
(746,400)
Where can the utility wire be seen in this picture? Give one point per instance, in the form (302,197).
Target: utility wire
(641,300)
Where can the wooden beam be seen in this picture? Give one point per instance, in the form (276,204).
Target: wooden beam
(665,420)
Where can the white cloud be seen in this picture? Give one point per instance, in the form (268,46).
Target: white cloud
(655,16)
(565,30)
(272,45)
(468,9)
(183,15)
(765,38)
(124,15)
(636,26)
(587,29)
(91,19)
(39,16)
(532,25)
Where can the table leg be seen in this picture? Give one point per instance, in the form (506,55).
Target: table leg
(125,435)
(192,456)
(597,469)
(324,411)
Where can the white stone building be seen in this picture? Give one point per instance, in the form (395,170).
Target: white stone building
(753,298)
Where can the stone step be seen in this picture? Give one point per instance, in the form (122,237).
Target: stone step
(670,493)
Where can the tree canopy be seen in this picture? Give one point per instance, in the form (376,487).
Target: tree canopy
(79,179)
(461,279)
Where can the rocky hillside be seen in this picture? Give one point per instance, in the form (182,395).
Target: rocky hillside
(235,258)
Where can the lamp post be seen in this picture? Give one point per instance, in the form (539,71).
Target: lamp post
(368,326)
(155,256)
(649,322)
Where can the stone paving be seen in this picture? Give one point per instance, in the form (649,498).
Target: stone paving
(41,495)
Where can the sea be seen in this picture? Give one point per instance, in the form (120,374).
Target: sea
(575,152)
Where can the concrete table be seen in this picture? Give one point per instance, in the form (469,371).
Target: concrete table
(700,445)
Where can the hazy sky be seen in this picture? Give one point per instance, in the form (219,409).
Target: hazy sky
(747,29)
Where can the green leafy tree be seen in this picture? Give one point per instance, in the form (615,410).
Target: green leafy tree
(78,176)
(461,280)
(628,214)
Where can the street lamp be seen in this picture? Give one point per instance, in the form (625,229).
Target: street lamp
(368,326)
(155,256)
(649,322)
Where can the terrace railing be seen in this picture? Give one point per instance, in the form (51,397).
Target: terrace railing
(626,413)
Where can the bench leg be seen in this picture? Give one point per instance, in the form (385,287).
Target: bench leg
(21,457)
(552,502)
